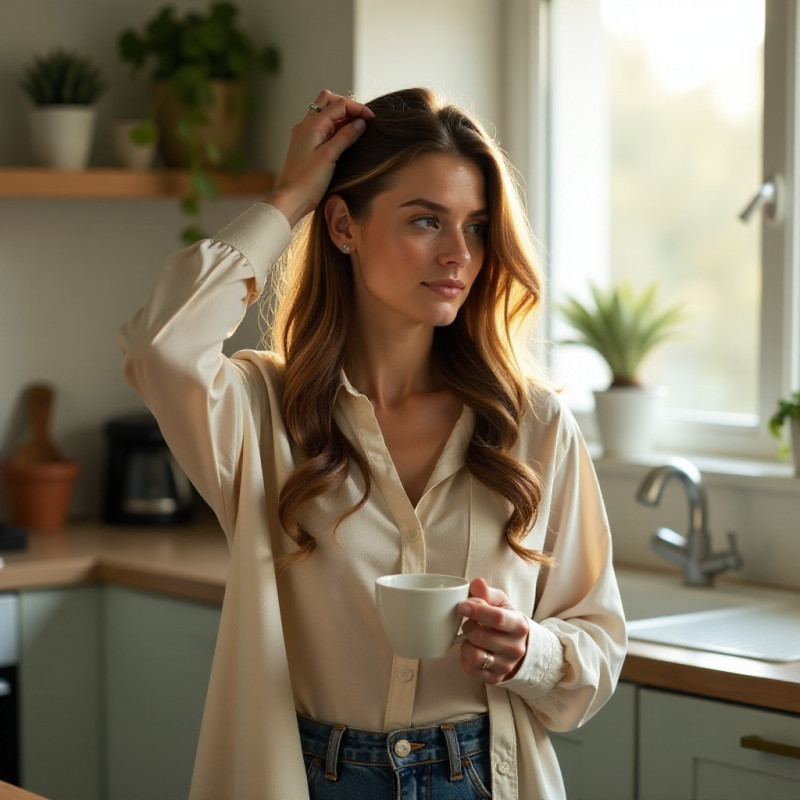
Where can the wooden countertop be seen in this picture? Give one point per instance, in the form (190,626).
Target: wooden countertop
(191,561)
(737,680)
(9,792)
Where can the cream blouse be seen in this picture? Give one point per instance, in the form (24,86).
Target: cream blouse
(309,639)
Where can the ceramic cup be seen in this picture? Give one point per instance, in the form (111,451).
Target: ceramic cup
(418,612)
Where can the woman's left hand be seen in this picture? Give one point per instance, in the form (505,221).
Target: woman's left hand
(496,634)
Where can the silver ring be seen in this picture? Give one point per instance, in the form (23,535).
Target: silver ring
(315,107)
(488,661)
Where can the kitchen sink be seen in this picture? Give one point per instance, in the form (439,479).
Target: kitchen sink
(646,595)
(737,620)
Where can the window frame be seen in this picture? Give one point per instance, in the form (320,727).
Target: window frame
(527,123)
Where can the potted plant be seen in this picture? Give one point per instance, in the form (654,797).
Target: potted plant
(788,411)
(134,142)
(624,327)
(63,87)
(199,65)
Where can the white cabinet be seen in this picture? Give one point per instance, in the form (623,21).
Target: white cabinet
(60,680)
(158,653)
(598,761)
(691,748)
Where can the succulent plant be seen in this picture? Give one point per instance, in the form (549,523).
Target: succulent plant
(623,327)
(62,78)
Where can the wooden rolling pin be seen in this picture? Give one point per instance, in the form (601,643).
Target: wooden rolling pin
(39,448)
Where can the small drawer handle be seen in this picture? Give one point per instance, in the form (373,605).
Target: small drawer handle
(766,746)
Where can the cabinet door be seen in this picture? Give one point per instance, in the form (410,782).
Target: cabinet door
(598,760)
(691,748)
(59,680)
(158,655)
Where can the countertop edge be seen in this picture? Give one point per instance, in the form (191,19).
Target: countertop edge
(185,588)
(9,792)
(710,675)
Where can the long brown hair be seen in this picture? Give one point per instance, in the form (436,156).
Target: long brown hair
(479,356)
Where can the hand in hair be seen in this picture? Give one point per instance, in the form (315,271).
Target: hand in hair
(493,628)
(315,145)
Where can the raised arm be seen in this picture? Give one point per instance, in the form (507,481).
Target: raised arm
(173,346)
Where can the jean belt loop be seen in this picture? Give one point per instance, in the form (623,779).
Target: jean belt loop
(453,751)
(332,757)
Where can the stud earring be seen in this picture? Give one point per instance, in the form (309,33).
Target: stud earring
(346,248)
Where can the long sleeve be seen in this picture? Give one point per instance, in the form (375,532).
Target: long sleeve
(173,349)
(221,418)
(577,641)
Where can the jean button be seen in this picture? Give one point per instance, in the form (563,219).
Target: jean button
(402,748)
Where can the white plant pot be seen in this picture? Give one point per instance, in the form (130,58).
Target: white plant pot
(794,433)
(62,135)
(128,153)
(627,419)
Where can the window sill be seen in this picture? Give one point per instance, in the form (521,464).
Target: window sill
(750,474)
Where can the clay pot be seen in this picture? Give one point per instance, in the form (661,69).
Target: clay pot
(39,494)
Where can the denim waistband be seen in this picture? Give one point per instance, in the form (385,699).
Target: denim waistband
(404,747)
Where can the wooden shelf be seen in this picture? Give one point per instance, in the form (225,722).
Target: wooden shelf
(24,182)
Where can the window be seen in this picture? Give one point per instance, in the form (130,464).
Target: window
(663,121)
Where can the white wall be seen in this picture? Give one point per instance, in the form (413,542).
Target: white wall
(451,46)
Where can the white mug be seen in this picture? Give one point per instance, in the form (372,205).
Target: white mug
(419,612)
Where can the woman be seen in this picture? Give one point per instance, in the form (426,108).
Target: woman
(393,431)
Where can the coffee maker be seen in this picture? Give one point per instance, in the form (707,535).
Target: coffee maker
(144,485)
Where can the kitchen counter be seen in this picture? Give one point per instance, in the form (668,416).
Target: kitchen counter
(191,561)
(737,680)
(9,792)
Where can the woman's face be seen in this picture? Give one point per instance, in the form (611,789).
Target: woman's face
(418,251)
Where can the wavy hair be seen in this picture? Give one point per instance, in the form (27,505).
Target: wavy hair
(480,356)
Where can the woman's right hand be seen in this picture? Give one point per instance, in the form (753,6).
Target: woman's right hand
(315,145)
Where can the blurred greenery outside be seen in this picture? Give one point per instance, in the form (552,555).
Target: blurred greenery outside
(681,172)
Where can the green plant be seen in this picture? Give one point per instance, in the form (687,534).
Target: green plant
(62,78)
(787,409)
(623,327)
(189,53)
(144,132)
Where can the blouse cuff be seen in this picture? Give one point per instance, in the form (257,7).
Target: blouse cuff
(260,234)
(541,668)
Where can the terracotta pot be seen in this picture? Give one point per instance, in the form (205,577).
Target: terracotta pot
(224,126)
(39,494)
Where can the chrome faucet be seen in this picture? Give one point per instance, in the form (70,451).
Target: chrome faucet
(691,552)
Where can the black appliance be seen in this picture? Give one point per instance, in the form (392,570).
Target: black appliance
(143,483)
(9,702)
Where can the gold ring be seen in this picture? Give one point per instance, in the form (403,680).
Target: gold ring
(487,662)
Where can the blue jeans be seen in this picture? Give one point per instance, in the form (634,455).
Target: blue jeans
(446,762)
